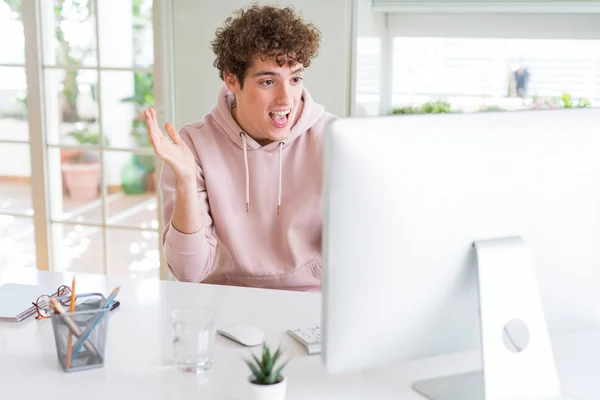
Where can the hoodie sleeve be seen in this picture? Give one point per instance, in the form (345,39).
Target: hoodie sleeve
(189,256)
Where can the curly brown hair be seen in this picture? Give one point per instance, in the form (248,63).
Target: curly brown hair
(265,32)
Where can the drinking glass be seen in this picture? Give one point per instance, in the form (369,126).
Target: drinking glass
(193,338)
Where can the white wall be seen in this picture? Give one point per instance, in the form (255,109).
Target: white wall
(369,23)
(196,80)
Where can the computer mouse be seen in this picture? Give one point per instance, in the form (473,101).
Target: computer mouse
(244,334)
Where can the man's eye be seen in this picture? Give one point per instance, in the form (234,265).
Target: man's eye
(268,82)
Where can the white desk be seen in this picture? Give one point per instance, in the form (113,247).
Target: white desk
(138,356)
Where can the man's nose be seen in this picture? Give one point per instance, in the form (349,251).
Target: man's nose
(284,94)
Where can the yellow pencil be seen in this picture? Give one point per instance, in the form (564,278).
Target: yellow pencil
(57,307)
(70,338)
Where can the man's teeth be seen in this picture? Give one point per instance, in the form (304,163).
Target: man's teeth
(285,112)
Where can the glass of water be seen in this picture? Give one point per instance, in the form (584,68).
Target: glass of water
(193,338)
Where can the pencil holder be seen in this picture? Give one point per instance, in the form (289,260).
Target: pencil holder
(80,336)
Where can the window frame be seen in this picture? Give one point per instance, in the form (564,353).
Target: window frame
(40,148)
(533,25)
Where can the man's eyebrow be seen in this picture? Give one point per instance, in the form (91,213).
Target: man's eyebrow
(272,73)
(265,73)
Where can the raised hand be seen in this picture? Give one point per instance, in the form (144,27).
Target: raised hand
(174,152)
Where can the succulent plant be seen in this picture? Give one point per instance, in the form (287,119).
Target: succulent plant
(264,370)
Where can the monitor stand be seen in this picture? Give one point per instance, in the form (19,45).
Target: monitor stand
(510,305)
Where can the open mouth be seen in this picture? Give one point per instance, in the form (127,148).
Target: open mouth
(280,118)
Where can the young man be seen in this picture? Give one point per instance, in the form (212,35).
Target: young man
(242,188)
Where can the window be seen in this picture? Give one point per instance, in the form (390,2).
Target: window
(475,61)
(508,73)
(97,75)
(368,75)
(17,239)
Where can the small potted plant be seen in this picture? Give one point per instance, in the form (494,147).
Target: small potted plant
(82,171)
(266,380)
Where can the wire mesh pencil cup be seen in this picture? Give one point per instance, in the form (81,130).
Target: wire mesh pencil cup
(89,318)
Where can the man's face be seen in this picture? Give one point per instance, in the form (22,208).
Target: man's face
(269,102)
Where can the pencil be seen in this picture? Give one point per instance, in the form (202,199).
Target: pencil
(70,338)
(88,332)
(71,324)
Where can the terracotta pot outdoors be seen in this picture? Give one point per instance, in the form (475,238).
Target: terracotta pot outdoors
(65,156)
(82,180)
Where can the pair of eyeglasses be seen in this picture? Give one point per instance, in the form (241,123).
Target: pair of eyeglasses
(42,303)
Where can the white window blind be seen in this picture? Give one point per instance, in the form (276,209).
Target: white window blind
(368,51)
(368,75)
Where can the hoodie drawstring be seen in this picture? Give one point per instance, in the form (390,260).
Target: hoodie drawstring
(243,135)
(280,169)
(281,144)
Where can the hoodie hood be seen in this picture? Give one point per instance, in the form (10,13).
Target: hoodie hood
(311,113)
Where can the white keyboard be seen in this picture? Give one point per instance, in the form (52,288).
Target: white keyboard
(310,338)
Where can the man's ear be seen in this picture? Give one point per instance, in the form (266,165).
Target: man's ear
(232,82)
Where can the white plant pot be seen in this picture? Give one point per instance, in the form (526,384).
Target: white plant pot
(276,391)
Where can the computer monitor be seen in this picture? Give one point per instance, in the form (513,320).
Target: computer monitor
(433,220)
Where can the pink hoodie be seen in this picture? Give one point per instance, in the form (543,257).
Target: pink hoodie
(258,247)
